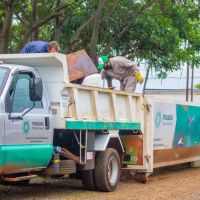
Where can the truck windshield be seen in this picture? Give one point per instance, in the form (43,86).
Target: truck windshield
(3,76)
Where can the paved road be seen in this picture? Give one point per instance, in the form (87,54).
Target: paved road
(177,184)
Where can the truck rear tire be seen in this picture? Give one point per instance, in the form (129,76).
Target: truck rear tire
(107,170)
(88,179)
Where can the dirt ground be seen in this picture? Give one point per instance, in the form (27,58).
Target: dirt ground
(170,184)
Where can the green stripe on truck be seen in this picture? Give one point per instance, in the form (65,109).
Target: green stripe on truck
(99,125)
(18,156)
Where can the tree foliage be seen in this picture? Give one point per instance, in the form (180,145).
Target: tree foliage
(165,33)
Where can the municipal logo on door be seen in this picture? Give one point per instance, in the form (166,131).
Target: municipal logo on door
(158,119)
(26,127)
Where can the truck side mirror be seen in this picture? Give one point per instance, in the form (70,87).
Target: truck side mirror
(36,89)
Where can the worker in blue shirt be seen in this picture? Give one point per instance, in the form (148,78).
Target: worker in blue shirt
(40,47)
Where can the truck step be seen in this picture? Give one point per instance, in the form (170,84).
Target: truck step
(20,178)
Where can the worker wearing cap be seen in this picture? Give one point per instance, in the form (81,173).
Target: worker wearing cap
(121,69)
(40,47)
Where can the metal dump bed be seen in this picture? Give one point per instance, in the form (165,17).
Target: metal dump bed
(96,105)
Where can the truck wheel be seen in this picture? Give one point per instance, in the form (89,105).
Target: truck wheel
(107,170)
(88,180)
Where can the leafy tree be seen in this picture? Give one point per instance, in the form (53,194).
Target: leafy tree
(165,33)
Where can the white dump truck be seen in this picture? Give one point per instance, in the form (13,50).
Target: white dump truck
(50,127)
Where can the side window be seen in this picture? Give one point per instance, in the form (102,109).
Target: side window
(19,93)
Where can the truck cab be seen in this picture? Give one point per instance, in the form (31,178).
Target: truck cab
(25,119)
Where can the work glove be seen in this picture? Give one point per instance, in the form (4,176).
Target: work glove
(139,77)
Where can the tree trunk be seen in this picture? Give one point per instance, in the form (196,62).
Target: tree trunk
(59,22)
(5,26)
(95,32)
(94,40)
(35,32)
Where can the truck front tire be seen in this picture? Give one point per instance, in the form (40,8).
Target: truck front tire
(107,170)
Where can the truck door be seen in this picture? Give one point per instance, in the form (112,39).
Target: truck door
(28,130)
